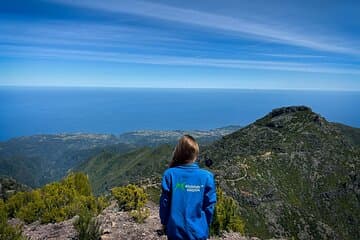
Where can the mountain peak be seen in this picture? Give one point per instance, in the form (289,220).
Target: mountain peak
(286,116)
(293,174)
(291,109)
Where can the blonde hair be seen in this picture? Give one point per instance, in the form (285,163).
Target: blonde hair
(186,151)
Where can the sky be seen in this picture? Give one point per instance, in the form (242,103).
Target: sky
(181,44)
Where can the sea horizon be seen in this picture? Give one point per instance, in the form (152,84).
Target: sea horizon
(180,88)
(31,110)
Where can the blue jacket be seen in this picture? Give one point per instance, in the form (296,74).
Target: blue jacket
(187,202)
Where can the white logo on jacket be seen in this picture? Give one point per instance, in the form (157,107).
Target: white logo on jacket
(193,188)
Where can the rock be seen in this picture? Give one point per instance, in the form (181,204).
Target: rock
(54,231)
(115,224)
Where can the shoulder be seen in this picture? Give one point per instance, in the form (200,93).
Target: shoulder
(206,173)
(180,169)
(168,171)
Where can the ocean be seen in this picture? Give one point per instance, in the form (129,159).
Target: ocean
(47,110)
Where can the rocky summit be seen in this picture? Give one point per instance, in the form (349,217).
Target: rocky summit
(293,173)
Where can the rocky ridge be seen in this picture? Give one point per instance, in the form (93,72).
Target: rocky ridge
(115,225)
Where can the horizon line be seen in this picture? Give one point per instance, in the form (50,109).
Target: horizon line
(184,88)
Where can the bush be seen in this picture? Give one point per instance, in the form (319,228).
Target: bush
(34,207)
(140,215)
(16,202)
(226,216)
(87,226)
(7,232)
(130,197)
(55,202)
(101,203)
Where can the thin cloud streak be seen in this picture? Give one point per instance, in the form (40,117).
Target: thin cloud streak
(16,51)
(281,55)
(82,31)
(111,37)
(258,30)
(105,36)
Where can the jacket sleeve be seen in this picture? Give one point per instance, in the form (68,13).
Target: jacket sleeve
(165,199)
(209,199)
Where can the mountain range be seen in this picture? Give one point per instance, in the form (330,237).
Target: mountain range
(293,173)
(40,159)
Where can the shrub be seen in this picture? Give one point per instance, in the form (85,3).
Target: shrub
(140,215)
(101,203)
(87,226)
(16,202)
(55,202)
(130,197)
(7,232)
(33,209)
(226,216)
(79,183)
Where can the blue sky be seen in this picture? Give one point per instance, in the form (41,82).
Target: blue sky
(181,44)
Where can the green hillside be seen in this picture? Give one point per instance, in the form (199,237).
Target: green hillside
(351,133)
(109,169)
(294,175)
(40,159)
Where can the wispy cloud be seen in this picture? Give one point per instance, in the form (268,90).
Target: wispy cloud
(253,29)
(70,30)
(85,55)
(195,41)
(297,56)
(124,44)
(82,35)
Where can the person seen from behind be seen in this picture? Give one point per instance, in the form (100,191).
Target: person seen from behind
(188,195)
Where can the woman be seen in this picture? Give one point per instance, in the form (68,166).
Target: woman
(188,194)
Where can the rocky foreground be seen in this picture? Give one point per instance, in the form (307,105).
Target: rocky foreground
(115,224)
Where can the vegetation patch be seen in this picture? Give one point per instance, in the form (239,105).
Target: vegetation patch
(87,226)
(7,232)
(55,202)
(132,198)
(227,216)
